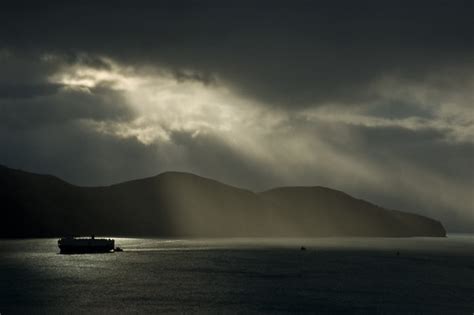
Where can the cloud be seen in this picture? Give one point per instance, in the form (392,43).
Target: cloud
(15,91)
(281,54)
(43,99)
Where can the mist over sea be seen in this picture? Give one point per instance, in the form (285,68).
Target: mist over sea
(243,275)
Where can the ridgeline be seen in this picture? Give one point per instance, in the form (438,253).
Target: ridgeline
(176,204)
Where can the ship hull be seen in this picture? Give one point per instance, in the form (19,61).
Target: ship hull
(84,249)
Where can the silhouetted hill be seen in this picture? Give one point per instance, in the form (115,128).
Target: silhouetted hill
(181,204)
(334,213)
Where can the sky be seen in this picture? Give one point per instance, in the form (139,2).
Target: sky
(374,98)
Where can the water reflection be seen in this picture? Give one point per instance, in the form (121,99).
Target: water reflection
(242,275)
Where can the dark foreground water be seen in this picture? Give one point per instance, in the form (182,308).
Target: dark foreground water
(334,275)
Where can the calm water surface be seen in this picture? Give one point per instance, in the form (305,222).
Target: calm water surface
(334,275)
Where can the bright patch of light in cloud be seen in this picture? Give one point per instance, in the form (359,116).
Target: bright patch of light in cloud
(164,105)
(87,77)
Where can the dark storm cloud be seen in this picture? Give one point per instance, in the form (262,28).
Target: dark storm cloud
(288,53)
(29,99)
(61,107)
(399,109)
(205,78)
(15,91)
(455,160)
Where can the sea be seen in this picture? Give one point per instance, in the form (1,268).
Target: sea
(242,275)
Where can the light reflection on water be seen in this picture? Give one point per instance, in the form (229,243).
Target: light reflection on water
(431,275)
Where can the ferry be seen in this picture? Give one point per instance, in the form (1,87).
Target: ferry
(79,245)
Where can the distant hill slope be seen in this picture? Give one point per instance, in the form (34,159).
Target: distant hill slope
(179,204)
(334,213)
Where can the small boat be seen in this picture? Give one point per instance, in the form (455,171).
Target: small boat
(81,245)
(118,249)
